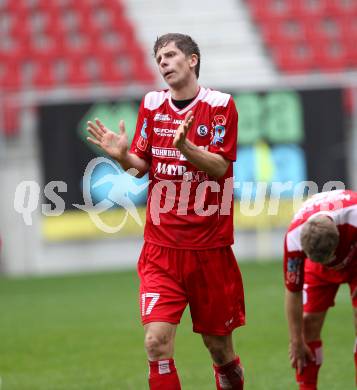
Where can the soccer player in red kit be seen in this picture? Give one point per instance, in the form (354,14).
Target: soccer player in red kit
(320,254)
(186,138)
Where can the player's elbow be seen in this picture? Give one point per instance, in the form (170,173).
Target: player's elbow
(221,169)
(140,174)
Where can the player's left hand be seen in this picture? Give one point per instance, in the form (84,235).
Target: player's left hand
(299,354)
(182,130)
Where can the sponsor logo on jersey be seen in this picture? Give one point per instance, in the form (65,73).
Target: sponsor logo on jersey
(195,176)
(181,170)
(165,152)
(218,129)
(219,133)
(164,132)
(143,129)
(142,142)
(171,152)
(202,130)
(177,121)
(162,118)
(170,169)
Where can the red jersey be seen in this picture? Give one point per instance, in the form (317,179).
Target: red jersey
(186,208)
(339,205)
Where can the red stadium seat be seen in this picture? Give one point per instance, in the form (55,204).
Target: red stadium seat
(343,7)
(295,58)
(11,117)
(56,42)
(78,73)
(352,53)
(311,8)
(263,10)
(10,75)
(110,70)
(44,76)
(327,27)
(322,29)
(332,56)
(349,27)
(283,31)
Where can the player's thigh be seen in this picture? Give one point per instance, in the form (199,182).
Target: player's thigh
(318,296)
(313,323)
(215,292)
(162,296)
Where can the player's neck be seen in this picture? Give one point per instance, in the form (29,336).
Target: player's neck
(188,91)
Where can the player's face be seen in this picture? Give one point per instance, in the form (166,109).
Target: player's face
(175,67)
(327,260)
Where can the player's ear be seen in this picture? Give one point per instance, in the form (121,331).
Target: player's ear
(193,61)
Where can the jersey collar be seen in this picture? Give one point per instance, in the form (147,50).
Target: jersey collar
(201,93)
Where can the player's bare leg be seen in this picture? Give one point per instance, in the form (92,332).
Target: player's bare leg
(313,323)
(159,345)
(226,364)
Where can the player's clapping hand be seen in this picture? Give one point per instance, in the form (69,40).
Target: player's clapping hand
(299,354)
(182,130)
(115,145)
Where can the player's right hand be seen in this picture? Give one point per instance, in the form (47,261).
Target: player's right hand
(299,354)
(115,145)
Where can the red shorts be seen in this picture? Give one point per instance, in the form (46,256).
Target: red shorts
(208,280)
(321,286)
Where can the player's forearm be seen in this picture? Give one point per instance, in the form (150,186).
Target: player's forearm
(294,314)
(132,161)
(213,164)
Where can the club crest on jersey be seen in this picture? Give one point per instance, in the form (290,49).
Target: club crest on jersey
(202,130)
(219,120)
(294,264)
(293,270)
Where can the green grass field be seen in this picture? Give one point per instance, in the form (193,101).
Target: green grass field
(83,332)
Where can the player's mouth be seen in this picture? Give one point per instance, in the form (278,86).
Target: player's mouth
(168,73)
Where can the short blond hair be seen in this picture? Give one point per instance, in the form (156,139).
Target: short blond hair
(319,238)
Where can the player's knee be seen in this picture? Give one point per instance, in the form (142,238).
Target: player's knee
(157,346)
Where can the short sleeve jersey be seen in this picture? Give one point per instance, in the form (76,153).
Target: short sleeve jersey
(186,208)
(341,206)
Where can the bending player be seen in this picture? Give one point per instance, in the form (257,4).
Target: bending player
(320,254)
